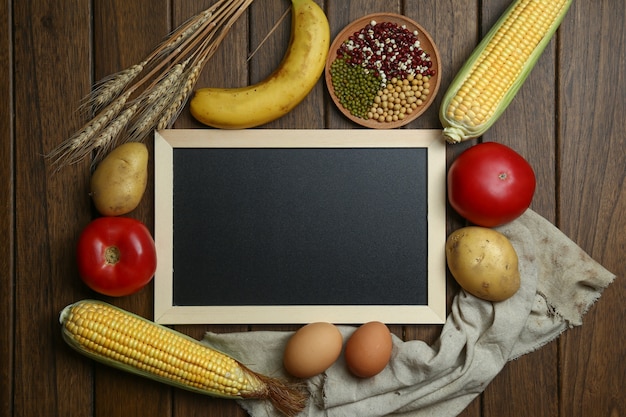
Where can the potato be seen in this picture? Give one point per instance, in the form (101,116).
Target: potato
(483,262)
(119,181)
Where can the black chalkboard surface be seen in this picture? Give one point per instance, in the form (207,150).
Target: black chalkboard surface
(294,226)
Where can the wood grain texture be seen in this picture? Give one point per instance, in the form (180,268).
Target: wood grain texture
(227,68)
(592,201)
(532,134)
(7,214)
(124,33)
(48,207)
(567,120)
(446,21)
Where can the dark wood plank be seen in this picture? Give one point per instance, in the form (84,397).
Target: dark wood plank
(7,213)
(528,385)
(124,33)
(453,26)
(592,200)
(51,46)
(227,68)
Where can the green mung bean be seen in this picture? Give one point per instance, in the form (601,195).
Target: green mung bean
(355,86)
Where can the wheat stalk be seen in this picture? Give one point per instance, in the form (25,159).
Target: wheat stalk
(164,80)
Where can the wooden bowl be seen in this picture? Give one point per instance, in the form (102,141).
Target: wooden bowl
(427,45)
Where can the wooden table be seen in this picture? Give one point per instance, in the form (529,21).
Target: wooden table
(567,120)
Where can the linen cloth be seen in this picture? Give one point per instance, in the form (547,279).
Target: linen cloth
(559,283)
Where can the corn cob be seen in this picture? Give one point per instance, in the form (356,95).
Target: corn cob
(131,343)
(498,67)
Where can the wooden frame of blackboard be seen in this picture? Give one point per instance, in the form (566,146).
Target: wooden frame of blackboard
(166,143)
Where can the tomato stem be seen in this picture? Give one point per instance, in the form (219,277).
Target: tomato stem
(112,255)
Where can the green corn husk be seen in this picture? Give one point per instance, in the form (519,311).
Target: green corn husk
(456,131)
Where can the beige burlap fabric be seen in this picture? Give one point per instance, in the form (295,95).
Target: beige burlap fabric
(559,283)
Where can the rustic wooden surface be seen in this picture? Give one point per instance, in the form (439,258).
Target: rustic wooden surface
(568,121)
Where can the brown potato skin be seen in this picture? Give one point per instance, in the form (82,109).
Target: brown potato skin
(119,181)
(483,262)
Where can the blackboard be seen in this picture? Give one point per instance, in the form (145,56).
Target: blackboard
(295,226)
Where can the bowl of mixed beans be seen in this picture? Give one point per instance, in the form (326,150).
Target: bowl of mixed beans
(383,71)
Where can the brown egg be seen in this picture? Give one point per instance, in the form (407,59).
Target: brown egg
(312,349)
(368,350)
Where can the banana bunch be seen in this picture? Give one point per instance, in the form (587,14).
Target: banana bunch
(281,91)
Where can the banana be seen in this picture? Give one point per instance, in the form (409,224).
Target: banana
(275,96)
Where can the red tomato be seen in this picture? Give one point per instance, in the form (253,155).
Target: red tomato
(490,184)
(116,256)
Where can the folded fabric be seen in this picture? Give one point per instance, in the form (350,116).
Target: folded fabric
(559,283)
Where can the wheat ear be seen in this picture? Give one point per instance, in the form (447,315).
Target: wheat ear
(107,139)
(164,80)
(155,100)
(79,145)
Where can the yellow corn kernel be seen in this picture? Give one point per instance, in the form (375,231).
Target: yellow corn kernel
(498,66)
(115,335)
(131,343)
